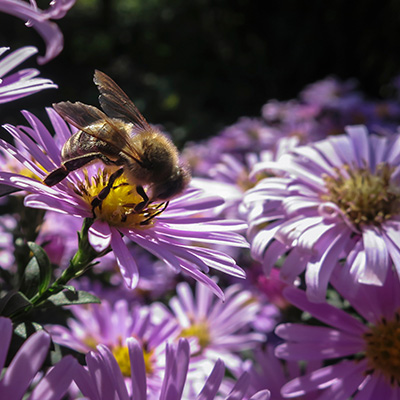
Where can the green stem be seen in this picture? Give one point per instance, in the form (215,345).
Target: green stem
(81,261)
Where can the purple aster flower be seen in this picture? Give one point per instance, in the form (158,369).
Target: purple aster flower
(21,83)
(21,371)
(266,371)
(170,231)
(329,92)
(338,202)
(60,244)
(222,329)
(102,380)
(236,140)
(40,21)
(111,326)
(367,348)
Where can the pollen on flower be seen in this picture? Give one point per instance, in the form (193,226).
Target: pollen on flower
(200,331)
(121,207)
(245,183)
(366,197)
(383,349)
(121,354)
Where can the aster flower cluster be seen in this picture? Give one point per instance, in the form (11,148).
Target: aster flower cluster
(274,274)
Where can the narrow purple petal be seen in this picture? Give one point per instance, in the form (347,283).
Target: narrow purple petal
(25,365)
(111,367)
(85,384)
(177,363)
(377,257)
(48,30)
(240,388)
(359,138)
(345,387)
(261,395)
(315,351)
(320,379)
(5,334)
(125,260)
(138,370)
(56,383)
(213,382)
(319,272)
(100,235)
(326,313)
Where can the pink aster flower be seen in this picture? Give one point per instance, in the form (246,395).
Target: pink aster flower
(21,371)
(111,326)
(337,199)
(222,329)
(170,231)
(40,21)
(102,380)
(367,348)
(22,83)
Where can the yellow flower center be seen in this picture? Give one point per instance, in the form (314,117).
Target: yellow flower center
(365,197)
(199,330)
(91,342)
(123,206)
(245,183)
(383,349)
(121,354)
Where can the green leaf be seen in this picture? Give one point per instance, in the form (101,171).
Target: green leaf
(12,302)
(37,273)
(25,329)
(44,265)
(31,278)
(69,298)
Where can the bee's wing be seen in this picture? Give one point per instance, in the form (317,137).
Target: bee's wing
(86,118)
(116,103)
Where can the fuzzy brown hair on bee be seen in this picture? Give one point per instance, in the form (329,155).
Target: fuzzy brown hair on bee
(119,136)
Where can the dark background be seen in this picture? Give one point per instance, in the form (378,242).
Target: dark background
(196,66)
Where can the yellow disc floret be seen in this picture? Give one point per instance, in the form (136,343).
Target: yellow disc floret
(122,207)
(121,354)
(366,197)
(383,349)
(199,330)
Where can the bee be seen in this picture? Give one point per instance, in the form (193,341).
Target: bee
(119,136)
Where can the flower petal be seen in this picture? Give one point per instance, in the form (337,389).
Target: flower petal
(125,260)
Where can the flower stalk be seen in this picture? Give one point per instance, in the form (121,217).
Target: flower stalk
(81,262)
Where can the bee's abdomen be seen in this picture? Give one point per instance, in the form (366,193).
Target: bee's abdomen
(82,143)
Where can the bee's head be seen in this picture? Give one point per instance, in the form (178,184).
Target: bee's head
(172,186)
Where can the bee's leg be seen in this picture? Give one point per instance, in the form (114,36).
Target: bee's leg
(70,165)
(96,202)
(140,206)
(146,221)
